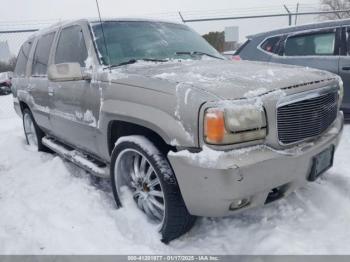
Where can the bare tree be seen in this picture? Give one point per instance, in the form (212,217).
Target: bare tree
(333,5)
(9,65)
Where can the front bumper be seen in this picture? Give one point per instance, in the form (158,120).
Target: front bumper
(251,173)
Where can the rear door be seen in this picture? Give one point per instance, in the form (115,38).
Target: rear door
(38,83)
(317,49)
(20,76)
(75,108)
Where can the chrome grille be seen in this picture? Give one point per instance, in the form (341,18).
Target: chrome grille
(307,118)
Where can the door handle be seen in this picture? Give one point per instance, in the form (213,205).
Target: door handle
(346,68)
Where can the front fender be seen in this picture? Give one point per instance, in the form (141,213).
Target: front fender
(164,124)
(167,108)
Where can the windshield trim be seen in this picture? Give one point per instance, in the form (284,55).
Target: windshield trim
(97,52)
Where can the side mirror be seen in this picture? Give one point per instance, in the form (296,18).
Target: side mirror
(66,72)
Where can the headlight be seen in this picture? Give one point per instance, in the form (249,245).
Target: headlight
(234,124)
(341,90)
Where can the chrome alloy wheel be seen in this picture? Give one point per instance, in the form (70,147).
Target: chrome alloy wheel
(134,170)
(29,130)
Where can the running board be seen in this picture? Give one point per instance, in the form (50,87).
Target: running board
(76,158)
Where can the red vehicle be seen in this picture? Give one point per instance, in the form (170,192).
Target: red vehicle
(5,83)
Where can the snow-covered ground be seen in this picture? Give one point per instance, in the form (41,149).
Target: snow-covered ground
(49,206)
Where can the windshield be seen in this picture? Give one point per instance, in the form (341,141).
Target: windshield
(138,40)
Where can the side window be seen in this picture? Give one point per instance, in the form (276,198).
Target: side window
(271,44)
(41,55)
(347,40)
(71,46)
(322,43)
(22,59)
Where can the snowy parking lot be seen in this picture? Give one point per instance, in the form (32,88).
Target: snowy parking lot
(49,206)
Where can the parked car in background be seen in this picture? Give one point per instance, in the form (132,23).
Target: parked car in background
(176,127)
(323,45)
(5,83)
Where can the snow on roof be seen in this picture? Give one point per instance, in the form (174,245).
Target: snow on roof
(94,20)
(131,19)
(97,20)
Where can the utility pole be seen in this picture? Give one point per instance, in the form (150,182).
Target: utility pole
(296,14)
(289,15)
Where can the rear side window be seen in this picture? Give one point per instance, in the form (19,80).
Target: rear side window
(271,45)
(41,55)
(310,44)
(242,47)
(71,46)
(22,59)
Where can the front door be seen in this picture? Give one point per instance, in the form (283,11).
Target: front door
(75,108)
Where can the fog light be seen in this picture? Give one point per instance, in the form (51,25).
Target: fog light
(239,203)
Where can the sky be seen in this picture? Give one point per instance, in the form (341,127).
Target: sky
(31,11)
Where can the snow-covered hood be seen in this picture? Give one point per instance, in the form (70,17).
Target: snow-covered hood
(228,79)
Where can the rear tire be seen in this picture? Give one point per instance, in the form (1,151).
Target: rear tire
(32,131)
(134,153)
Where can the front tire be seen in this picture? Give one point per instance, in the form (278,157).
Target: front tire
(139,166)
(32,131)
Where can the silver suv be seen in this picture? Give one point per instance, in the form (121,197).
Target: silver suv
(177,128)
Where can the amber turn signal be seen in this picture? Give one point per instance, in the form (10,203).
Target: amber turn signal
(214,126)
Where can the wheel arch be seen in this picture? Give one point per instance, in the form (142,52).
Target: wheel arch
(120,128)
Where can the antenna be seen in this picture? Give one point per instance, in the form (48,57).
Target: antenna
(103,35)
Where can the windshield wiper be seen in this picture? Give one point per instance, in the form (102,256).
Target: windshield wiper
(154,60)
(198,53)
(133,61)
